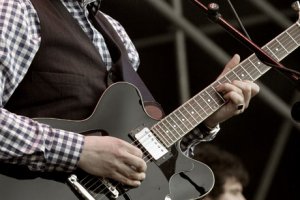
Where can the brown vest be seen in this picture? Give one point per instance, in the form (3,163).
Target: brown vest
(67,75)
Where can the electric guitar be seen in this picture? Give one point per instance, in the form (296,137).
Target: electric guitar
(170,174)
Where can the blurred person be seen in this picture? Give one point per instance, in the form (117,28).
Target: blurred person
(231,177)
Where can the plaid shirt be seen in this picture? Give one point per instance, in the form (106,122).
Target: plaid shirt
(23,140)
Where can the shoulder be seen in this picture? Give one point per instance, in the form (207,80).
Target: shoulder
(14,10)
(116,24)
(13,5)
(132,52)
(19,13)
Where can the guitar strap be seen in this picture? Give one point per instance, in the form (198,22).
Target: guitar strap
(122,68)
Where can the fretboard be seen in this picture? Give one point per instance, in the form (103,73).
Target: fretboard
(186,117)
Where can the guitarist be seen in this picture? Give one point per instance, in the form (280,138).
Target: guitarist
(55,62)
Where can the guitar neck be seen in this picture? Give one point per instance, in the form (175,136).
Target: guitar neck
(186,117)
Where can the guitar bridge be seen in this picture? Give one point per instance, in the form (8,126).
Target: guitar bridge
(88,195)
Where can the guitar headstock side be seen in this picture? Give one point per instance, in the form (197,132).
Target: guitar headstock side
(296,7)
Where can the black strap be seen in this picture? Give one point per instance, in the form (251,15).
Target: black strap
(121,63)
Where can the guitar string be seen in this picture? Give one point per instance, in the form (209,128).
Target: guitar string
(239,71)
(145,151)
(136,143)
(89,180)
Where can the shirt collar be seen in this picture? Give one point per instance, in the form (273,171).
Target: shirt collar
(84,3)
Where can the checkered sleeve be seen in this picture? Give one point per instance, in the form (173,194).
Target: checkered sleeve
(19,41)
(24,141)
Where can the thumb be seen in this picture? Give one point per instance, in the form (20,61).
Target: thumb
(235,60)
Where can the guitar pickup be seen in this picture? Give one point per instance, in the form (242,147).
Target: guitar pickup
(150,143)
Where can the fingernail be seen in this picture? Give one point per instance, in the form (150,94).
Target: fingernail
(240,106)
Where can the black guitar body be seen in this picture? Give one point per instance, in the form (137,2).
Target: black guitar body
(120,113)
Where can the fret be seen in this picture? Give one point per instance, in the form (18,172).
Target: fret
(175,128)
(251,68)
(212,101)
(177,122)
(218,99)
(162,133)
(262,68)
(200,106)
(165,134)
(205,108)
(243,73)
(228,80)
(172,128)
(185,124)
(191,113)
(220,81)
(237,74)
(188,114)
(288,41)
(270,53)
(206,99)
(184,112)
(168,131)
(195,110)
(232,76)
(223,80)
(216,84)
(293,40)
(294,32)
(278,49)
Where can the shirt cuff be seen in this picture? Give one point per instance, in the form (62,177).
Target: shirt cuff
(63,150)
(208,133)
(201,133)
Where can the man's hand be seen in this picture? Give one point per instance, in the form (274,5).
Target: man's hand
(110,157)
(237,94)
